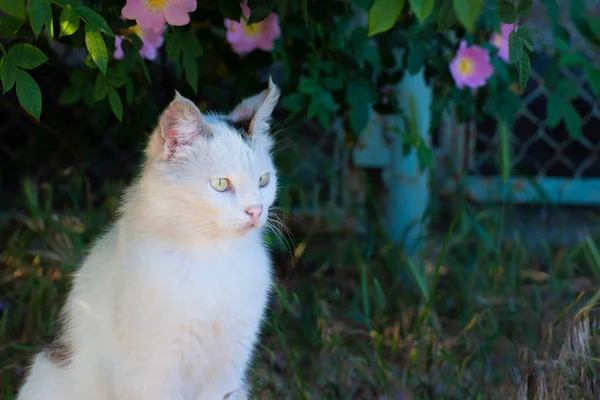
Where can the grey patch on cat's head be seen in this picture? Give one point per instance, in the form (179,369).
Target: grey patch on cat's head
(60,348)
(242,127)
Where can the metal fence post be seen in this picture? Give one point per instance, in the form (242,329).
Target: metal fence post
(408,185)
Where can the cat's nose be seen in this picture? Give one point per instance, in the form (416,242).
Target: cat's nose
(254,212)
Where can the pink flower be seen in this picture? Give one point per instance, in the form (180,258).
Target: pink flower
(152,14)
(151,42)
(500,40)
(245,38)
(471,67)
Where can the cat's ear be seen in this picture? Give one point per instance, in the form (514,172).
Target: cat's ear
(255,112)
(179,125)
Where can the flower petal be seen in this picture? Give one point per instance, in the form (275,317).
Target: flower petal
(154,20)
(175,15)
(133,9)
(188,5)
(234,33)
(264,42)
(118,54)
(148,51)
(243,46)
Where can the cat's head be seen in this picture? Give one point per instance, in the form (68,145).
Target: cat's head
(211,173)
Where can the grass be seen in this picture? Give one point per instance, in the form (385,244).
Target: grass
(476,317)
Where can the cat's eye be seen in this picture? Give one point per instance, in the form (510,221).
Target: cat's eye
(263,180)
(220,184)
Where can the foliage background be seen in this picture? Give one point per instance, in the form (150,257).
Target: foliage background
(354,317)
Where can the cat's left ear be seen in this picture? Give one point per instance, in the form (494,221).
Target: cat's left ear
(255,112)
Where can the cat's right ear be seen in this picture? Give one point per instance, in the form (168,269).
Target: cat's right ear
(179,125)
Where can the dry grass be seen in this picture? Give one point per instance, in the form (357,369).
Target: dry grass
(353,318)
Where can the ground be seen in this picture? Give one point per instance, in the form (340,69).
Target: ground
(475,316)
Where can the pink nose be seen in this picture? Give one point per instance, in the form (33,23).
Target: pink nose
(254,212)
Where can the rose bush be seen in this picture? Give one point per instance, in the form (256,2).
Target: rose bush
(336,58)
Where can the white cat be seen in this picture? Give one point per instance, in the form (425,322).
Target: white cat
(169,303)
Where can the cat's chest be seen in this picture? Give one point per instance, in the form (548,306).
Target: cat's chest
(229,288)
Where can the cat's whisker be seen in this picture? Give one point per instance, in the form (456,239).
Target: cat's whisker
(281,231)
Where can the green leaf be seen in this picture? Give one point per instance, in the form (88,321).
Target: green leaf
(97,47)
(144,69)
(333,83)
(69,21)
(309,86)
(594,23)
(88,95)
(89,62)
(191,71)
(566,89)
(561,37)
(179,42)
(467,12)
(29,94)
(100,88)
(94,20)
(49,21)
(259,10)
(504,150)
(115,77)
(524,35)
(174,45)
(524,8)
(327,101)
(425,156)
(359,95)
(501,69)
(37,15)
(191,45)
(8,73)
(231,9)
(9,26)
(572,120)
(14,8)
(506,12)
(372,56)
(524,70)
(422,8)
(447,16)
(70,95)
(294,102)
(324,118)
(554,109)
(364,5)
(129,91)
(359,92)
(359,117)
(515,48)
(27,56)
(313,107)
(64,3)
(383,15)
(573,60)
(116,105)
(415,58)
(592,74)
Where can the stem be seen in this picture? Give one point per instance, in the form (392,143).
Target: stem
(2,48)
